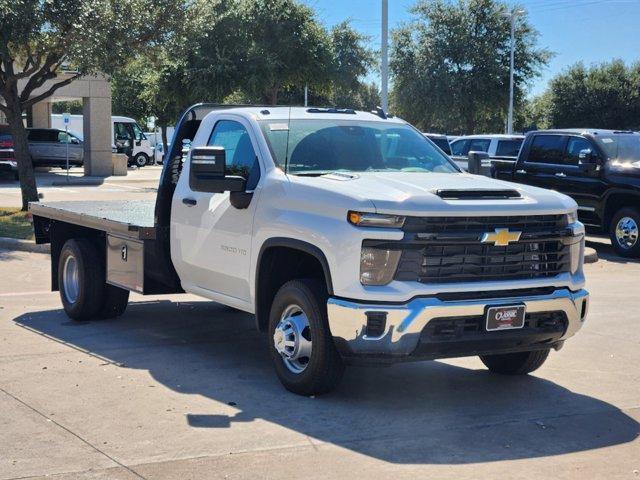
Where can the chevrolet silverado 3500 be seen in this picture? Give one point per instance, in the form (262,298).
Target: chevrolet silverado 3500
(349,235)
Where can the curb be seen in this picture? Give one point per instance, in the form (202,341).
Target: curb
(590,255)
(23,245)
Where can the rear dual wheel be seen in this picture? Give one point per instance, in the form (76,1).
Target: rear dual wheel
(81,279)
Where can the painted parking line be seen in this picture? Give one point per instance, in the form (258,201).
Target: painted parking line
(24,294)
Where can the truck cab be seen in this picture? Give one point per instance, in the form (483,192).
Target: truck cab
(129,139)
(349,235)
(599,169)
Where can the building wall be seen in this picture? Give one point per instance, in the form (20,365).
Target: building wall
(95,92)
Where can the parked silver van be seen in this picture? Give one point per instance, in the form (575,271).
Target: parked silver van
(48,147)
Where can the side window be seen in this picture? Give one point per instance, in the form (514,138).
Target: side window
(574,146)
(240,157)
(121,131)
(458,147)
(38,136)
(63,137)
(137,132)
(479,145)
(508,148)
(547,149)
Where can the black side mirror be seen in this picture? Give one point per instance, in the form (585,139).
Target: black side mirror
(208,172)
(75,141)
(474,163)
(588,160)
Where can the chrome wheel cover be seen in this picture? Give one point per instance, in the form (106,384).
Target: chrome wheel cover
(71,279)
(292,339)
(627,232)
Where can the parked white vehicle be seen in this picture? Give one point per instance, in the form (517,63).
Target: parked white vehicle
(126,136)
(497,146)
(349,235)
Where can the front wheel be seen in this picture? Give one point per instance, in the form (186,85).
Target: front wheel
(301,346)
(519,363)
(624,232)
(140,160)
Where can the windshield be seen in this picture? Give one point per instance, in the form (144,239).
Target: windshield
(621,148)
(321,146)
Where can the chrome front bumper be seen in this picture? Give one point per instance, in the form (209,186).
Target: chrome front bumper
(405,322)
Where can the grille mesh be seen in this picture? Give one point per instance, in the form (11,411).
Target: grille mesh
(462,258)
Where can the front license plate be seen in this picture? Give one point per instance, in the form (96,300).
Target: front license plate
(505,318)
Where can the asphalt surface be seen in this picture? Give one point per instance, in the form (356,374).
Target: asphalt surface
(181,388)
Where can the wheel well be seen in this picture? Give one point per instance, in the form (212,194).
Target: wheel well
(279,264)
(59,233)
(614,203)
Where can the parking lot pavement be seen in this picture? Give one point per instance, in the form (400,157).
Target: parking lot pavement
(138,184)
(180,388)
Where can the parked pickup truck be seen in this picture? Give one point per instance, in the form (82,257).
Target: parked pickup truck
(349,235)
(599,169)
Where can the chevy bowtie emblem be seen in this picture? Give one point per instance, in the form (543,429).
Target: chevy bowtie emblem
(501,237)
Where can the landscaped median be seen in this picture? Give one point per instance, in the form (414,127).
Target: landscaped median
(16,231)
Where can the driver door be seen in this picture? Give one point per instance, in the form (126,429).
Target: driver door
(211,239)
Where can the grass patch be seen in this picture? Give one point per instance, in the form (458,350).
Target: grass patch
(14,223)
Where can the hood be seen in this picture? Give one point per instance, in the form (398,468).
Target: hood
(409,193)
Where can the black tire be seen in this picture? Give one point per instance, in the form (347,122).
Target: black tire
(115,302)
(519,363)
(84,303)
(324,368)
(16,176)
(140,160)
(632,251)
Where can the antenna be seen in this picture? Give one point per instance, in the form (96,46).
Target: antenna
(286,152)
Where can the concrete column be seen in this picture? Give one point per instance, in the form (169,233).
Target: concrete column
(96,112)
(41,115)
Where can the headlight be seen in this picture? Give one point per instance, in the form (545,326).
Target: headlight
(377,265)
(572,217)
(375,220)
(576,250)
(13,163)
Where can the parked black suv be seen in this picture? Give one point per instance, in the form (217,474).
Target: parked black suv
(599,169)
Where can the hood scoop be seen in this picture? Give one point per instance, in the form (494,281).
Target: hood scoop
(478,194)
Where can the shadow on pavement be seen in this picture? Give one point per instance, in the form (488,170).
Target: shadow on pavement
(415,413)
(602,245)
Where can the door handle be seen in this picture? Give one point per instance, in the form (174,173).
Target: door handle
(521,171)
(189,201)
(561,175)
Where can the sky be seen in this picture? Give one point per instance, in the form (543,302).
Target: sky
(591,31)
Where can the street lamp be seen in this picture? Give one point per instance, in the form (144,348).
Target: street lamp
(512,17)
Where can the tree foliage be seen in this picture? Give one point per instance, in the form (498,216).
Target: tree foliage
(241,51)
(38,37)
(450,67)
(601,96)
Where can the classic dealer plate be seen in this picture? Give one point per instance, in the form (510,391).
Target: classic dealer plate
(505,318)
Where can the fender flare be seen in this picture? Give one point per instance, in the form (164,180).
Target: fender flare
(291,243)
(296,245)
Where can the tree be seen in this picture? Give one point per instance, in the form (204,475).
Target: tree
(38,37)
(601,96)
(287,48)
(203,61)
(450,67)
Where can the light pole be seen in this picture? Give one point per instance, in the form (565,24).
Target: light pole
(512,17)
(384,70)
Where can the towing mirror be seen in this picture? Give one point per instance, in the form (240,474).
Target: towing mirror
(208,172)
